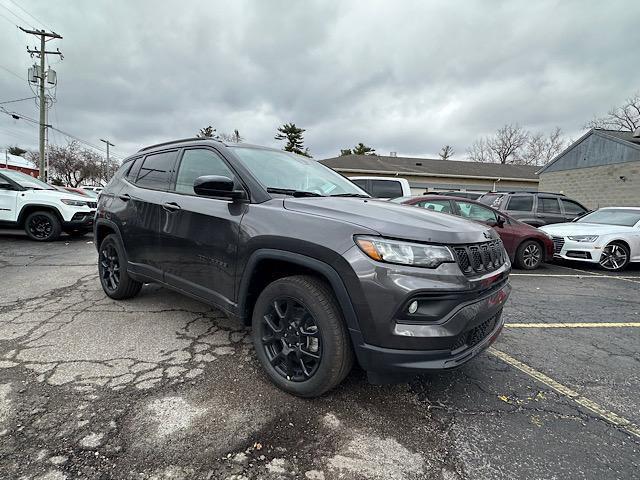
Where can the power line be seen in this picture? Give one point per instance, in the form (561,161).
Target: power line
(32,16)
(12,72)
(18,100)
(15,14)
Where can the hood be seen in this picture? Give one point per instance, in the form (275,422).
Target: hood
(579,228)
(394,220)
(58,194)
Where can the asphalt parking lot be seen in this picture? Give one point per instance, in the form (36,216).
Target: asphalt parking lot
(162,387)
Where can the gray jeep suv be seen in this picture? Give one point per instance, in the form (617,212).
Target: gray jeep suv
(324,274)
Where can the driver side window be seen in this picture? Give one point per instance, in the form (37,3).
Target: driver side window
(196,163)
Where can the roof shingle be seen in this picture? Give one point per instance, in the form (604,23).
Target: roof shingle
(423,166)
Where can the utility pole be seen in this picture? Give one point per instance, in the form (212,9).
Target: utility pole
(42,53)
(106,170)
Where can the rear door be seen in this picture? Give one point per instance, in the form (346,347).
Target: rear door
(521,207)
(571,209)
(548,210)
(142,203)
(8,200)
(199,235)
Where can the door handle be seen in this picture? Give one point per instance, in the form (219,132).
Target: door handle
(171,207)
(124,197)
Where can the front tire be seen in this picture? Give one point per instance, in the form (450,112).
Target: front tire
(112,268)
(300,337)
(42,226)
(615,257)
(529,255)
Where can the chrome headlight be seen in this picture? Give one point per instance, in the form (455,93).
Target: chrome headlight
(404,253)
(584,238)
(74,203)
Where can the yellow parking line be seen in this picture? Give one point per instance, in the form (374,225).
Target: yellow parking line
(574,325)
(602,412)
(572,275)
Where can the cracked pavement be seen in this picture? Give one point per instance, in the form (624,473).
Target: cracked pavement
(164,387)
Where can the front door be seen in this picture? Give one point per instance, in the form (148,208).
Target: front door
(199,235)
(8,200)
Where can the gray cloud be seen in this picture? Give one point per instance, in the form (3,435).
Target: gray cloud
(402,76)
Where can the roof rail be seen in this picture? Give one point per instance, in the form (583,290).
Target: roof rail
(171,142)
(534,191)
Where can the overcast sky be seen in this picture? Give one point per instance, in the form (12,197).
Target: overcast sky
(403,76)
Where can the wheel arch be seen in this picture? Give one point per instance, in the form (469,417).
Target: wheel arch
(103,228)
(267,265)
(37,207)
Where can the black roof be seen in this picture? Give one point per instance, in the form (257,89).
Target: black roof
(425,166)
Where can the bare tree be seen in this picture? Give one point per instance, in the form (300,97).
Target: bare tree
(480,152)
(506,143)
(625,117)
(231,137)
(446,152)
(541,149)
(73,165)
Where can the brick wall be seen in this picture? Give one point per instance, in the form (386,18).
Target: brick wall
(597,186)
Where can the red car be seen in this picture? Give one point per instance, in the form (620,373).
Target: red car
(526,246)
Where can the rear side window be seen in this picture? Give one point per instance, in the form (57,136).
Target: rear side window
(385,189)
(548,205)
(572,208)
(134,168)
(196,163)
(521,203)
(155,171)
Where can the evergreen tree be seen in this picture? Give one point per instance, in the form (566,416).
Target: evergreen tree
(294,137)
(207,132)
(362,149)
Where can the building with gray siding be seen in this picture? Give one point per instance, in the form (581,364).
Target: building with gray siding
(600,169)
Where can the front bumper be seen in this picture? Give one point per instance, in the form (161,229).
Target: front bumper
(577,251)
(462,336)
(80,221)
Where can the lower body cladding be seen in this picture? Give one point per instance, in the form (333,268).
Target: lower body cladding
(432,320)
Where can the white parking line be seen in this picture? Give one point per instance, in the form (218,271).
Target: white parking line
(602,412)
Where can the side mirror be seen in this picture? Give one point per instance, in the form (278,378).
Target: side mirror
(216,186)
(499,222)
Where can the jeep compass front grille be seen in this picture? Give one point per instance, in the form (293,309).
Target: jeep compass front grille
(480,258)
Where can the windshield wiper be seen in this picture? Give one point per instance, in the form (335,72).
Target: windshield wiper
(355,195)
(293,192)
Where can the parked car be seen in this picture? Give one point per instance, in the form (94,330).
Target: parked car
(459,194)
(96,189)
(40,209)
(79,191)
(322,272)
(526,246)
(383,187)
(535,208)
(609,237)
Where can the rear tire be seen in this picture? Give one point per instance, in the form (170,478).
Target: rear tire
(112,268)
(529,255)
(42,226)
(300,337)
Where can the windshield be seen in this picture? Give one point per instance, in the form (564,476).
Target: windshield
(284,170)
(612,216)
(26,181)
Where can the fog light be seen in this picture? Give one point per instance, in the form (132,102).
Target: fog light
(413,306)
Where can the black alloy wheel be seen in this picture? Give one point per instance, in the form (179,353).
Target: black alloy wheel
(42,226)
(291,340)
(109,267)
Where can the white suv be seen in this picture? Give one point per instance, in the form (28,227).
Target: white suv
(43,211)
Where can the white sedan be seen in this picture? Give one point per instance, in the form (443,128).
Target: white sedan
(609,236)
